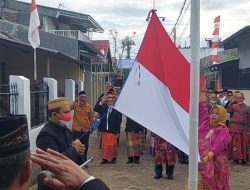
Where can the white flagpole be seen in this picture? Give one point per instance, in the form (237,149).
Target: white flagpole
(35,73)
(194,94)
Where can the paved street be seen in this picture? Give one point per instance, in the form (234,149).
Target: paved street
(121,176)
(140,177)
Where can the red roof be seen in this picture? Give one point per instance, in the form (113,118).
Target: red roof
(101,45)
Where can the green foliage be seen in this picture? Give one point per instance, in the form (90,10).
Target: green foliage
(228,57)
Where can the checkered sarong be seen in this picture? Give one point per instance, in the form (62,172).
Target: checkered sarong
(133,144)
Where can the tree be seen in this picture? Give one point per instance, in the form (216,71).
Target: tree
(127,43)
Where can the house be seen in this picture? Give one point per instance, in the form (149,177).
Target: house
(240,69)
(233,68)
(103,64)
(66,50)
(212,72)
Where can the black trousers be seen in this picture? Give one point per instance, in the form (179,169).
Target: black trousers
(84,140)
(169,169)
(134,158)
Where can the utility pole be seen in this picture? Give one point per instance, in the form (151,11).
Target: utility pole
(113,33)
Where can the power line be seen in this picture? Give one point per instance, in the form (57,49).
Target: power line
(183,15)
(184,3)
(183,31)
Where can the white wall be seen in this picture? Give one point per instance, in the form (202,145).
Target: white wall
(48,24)
(64,26)
(52,84)
(23,88)
(70,89)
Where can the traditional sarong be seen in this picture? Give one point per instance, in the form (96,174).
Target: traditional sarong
(109,146)
(143,141)
(239,149)
(133,144)
(239,128)
(164,152)
(215,173)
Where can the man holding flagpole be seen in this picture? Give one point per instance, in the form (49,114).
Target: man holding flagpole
(33,35)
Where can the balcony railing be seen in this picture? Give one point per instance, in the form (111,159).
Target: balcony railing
(75,34)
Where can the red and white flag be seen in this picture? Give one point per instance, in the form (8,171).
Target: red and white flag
(33,35)
(160,101)
(215,41)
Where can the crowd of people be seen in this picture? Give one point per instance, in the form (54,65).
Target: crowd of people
(224,133)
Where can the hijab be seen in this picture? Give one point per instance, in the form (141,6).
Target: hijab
(222,116)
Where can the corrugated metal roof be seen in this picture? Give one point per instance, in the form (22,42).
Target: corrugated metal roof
(234,40)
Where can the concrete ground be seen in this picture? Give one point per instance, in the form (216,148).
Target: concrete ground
(140,176)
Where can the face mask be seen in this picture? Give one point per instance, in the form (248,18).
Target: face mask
(65,121)
(212,101)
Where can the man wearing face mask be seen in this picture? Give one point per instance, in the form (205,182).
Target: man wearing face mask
(55,135)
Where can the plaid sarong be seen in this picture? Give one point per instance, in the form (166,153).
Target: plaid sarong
(133,144)
(143,140)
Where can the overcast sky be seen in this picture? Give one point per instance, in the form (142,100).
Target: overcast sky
(128,16)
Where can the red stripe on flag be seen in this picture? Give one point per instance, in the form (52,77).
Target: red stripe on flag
(33,5)
(159,55)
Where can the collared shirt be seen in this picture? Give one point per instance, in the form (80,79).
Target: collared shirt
(90,178)
(108,113)
(82,117)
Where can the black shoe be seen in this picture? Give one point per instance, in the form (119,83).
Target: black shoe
(171,177)
(130,161)
(104,161)
(113,162)
(137,161)
(157,176)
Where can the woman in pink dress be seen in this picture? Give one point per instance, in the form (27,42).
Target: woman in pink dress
(214,139)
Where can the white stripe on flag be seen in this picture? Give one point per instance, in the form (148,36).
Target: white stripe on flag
(151,105)
(33,35)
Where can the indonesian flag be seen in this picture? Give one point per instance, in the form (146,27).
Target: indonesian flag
(156,93)
(33,35)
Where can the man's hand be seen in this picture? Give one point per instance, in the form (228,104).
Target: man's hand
(67,174)
(104,99)
(80,148)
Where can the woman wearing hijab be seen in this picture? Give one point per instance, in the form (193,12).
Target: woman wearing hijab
(214,138)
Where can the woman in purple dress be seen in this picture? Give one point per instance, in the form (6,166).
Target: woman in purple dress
(214,139)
